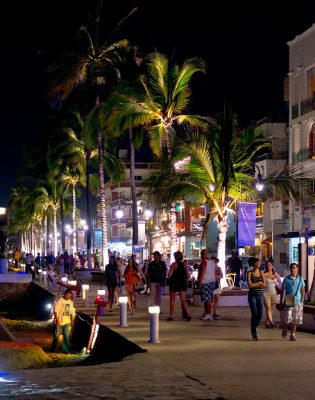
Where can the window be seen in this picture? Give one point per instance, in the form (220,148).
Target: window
(138,178)
(311,141)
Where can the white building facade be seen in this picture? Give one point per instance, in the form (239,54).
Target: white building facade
(302,138)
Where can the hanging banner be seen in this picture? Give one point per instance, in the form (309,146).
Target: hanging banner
(246,227)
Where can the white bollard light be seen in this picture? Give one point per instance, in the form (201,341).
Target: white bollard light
(123,300)
(40,273)
(45,278)
(64,279)
(101,293)
(154,312)
(85,295)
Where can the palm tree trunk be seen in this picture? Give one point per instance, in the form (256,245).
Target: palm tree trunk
(133,193)
(88,211)
(173,205)
(100,147)
(55,232)
(222,227)
(74,220)
(62,217)
(47,233)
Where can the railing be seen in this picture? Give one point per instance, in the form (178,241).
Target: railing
(307,106)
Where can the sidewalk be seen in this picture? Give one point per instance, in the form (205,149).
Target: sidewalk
(195,360)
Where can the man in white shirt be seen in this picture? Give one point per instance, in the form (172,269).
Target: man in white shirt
(207,283)
(64,313)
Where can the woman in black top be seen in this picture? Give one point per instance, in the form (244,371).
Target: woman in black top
(256,281)
(111,280)
(178,276)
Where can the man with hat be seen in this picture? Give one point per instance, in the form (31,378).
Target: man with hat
(156,276)
(64,313)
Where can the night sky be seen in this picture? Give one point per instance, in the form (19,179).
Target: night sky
(244,47)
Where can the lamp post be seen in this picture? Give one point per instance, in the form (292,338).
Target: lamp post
(147,215)
(119,214)
(259,180)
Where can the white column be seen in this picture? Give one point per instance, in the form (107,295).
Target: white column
(123,300)
(154,312)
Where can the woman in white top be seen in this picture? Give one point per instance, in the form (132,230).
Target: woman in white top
(270,294)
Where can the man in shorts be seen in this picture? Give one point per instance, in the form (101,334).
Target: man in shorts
(207,283)
(293,284)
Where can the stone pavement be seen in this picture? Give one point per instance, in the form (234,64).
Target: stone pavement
(195,360)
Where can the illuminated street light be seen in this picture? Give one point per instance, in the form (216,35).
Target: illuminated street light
(147,214)
(259,180)
(212,187)
(119,213)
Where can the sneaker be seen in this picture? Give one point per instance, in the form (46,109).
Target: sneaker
(207,317)
(292,337)
(216,316)
(284,333)
(255,337)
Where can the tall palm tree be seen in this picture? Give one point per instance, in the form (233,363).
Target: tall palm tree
(218,170)
(158,104)
(95,66)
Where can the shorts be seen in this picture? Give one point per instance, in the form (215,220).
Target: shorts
(294,315)
(270,299)
(206,291)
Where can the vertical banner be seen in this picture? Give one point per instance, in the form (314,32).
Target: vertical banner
(246,227)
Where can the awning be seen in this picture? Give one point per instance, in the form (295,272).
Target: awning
(293,234)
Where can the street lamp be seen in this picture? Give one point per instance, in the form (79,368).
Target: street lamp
(259,180)
(119,213)
(212,187)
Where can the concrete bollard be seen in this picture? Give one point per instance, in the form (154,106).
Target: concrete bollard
(123,300)
(85,295)
(45,278)
(154,312)
(40,273)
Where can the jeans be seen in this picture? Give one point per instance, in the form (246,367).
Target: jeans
(255,302)
(155,294)
(61,330)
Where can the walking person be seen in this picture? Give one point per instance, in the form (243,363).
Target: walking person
(234,266)
(111,280)
(64,313)
(178,276)
(207,283)
(270,294)
(293,284)
(157,277)
(132,274)
(256,282)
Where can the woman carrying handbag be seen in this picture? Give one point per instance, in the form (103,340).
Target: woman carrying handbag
(273,282)
(293,290)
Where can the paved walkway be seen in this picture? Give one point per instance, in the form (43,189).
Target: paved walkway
(195,360)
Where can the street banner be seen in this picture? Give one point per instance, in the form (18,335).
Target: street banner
(246,226)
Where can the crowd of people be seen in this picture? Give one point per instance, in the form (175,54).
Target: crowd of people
(265,288)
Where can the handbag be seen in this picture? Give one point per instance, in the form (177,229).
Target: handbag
(278,289)
(290,299)
(139,286)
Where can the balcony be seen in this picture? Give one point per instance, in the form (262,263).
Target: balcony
(307,106)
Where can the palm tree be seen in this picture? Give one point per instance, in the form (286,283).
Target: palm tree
(158,104)
(217,169)
(95,66)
